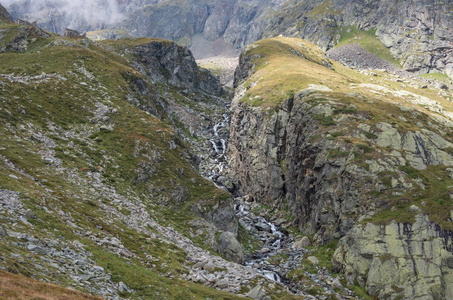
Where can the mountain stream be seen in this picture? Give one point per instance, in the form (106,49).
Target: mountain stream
(278,253)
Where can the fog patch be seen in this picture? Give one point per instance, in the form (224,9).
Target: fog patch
(75,14)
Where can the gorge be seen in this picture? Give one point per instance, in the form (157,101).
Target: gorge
(325,172)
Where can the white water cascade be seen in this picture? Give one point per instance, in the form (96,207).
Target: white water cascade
(219,145)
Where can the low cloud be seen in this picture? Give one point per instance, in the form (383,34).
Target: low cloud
(77,13)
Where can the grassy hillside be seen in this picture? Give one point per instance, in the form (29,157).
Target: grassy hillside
(85,175)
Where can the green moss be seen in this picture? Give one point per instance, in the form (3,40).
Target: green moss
(365,148)
(336,153)
(370,135)
(437,76)
(345,111)
(411,172)
(337,134)
(325,120)
(322,9)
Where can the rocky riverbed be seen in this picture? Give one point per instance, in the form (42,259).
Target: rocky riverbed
(286,259)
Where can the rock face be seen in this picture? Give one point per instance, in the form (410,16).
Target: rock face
(175,64)
(410,261)
(418,35)
(318,156)
(4,14)
(238,22)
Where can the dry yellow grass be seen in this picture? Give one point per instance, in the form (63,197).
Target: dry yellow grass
(20,287)
(285,66)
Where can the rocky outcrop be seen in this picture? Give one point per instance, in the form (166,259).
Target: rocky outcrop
(21,38)
(409,261)
(175,65)
(323,156)
(4,15)
(418,35)
(72,33)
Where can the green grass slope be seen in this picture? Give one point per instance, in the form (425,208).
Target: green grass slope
(87,167)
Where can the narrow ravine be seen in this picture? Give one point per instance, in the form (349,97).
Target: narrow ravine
(278,254)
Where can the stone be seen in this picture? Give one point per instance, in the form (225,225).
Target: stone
(48,160)
(72,33)
(2,232)
(230,248)
(442,86)
(414,208)
(122,287)
(209,266)
(199,265)
(261,226)
(336,283)
(226,182)
(29,214)
(37,249)
(223,284)
(314,260)
(257,293)
(105,128)
(302,243)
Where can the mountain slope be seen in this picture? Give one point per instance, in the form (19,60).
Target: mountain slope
(416,34)
(99,188)
(342,154)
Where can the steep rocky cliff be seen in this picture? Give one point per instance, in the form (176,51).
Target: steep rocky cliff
(237,22)
(343,151)
(418,34)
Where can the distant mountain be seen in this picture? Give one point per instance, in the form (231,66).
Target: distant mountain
(416,36)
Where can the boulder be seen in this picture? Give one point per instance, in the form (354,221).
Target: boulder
(226,182)
(257,293)
(209,266)
(230,248)
(72,33)
(302,243)
(314,260)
